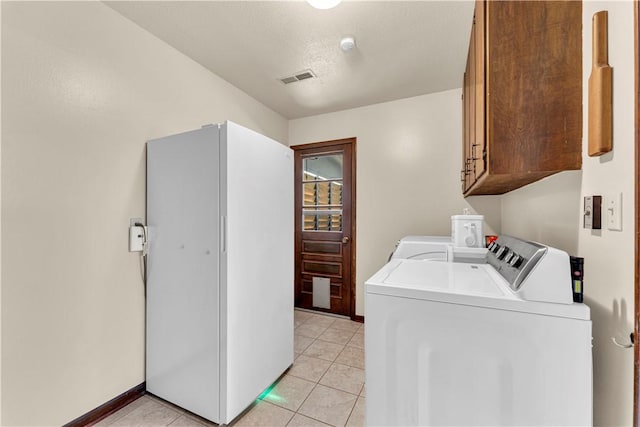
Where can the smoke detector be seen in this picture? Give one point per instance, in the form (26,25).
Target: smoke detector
(347,43)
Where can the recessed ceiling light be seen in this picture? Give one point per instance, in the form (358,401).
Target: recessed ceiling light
(324,4)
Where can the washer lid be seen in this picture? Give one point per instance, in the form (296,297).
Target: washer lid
(457,278)
(460,283)
(422,247)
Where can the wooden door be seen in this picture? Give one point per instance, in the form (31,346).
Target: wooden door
(325,226)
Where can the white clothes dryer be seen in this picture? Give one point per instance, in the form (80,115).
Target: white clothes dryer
(422,247)
(493,344)
(436,248)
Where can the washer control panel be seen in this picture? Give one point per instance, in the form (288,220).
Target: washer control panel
(514,258)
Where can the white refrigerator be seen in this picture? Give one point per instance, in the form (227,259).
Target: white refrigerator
(220,268)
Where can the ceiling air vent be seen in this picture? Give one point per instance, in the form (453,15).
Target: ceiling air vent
(302,75)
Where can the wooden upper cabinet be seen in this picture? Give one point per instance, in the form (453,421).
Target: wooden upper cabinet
(522,94)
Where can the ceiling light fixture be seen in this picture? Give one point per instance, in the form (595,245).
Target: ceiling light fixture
(324,4)
(347,43)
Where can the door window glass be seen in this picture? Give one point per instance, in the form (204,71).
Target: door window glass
(322,192)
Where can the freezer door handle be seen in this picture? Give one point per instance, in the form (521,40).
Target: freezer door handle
(223,234)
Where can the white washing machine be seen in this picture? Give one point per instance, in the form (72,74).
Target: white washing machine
(499,343)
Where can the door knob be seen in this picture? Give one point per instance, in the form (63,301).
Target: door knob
(345,239)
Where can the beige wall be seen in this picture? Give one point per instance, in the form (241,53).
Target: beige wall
(408,172)
(551,211)
(82,90)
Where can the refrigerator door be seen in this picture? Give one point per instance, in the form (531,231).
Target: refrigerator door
(183,268)
(257,264)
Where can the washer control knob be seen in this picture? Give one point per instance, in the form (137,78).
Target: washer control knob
(516,260)
(502,252)
(508,257)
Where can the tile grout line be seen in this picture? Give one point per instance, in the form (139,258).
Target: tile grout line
(315,419)
(316,383)
(332,362)
(337,389)
(173,408)
(305,399)
(142,401)
(351,412)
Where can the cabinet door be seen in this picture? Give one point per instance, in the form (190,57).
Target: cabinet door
(478,147)
(471,61)
(469,127)
(534,88)
(524,86)
(464,174)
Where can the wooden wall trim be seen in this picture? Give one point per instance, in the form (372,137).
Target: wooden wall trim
(354,285)
(358,318)
(109,407)
(324,144)
(636,348)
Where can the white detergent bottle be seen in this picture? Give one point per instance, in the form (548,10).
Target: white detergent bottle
(467,231)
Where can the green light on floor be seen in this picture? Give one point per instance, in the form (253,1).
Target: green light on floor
(272,396)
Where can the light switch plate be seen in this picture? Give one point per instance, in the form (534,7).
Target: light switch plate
(614,212)
(592,212)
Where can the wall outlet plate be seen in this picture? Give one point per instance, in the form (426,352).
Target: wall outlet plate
(136,239)
(136,235)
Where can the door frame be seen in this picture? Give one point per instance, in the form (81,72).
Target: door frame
(636,317)
(348,141)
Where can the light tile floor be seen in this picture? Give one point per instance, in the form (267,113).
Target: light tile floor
(324,387)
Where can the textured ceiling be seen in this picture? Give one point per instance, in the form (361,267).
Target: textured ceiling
(403,48)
